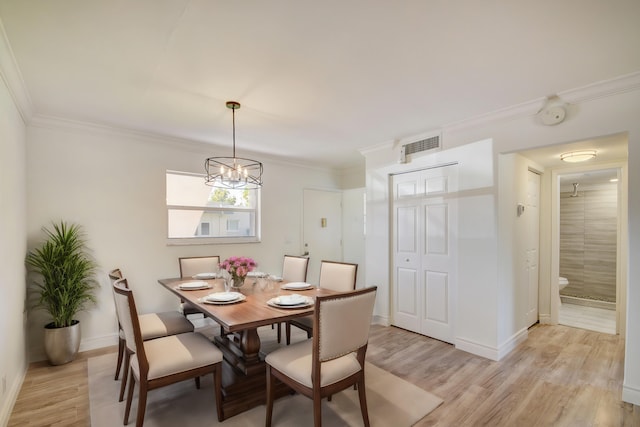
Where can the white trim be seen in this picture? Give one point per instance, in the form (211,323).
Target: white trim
(11,75)
(12,395)
(478,349)
(491,352)
(631,394)
(98,342)
(515,340)
(545,319)
(380,320)
(195,146)
(602,89)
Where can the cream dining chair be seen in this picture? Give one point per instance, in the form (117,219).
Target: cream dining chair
(337,276)
(189,267)
(294,269)
(163,361)
(333,360)
(152,325)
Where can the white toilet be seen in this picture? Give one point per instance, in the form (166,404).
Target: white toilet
(562,283)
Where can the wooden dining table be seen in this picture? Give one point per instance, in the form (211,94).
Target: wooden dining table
(244,369)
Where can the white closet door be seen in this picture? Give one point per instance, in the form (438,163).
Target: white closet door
(425,251)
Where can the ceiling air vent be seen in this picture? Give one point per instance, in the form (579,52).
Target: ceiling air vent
(426,144)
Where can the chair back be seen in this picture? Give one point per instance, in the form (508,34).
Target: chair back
(338,276)
(294,268)
(114,275)
(190,266)
(129,322)
(342,322)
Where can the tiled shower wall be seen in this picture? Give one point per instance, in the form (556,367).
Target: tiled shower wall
(588,237)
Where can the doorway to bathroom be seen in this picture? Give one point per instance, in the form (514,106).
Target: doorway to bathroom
(588,249)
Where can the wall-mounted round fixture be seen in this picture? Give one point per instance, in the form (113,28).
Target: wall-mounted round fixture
(578,156)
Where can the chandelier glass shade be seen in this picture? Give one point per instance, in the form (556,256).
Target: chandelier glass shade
(233,172)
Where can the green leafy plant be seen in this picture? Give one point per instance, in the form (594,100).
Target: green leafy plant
(65,273)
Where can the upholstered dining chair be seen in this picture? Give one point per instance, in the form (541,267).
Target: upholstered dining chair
(163,361)
(294,269)
(189,267)
(334,275)
(334,359)
(152,325)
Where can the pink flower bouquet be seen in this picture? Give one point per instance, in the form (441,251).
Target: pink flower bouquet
(238,267)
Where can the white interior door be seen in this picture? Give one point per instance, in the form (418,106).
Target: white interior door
(532,218)
(322,229)
(425,251)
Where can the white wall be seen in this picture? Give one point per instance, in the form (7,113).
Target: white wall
(476,305)
(596,110)
(113,184)
(12,250)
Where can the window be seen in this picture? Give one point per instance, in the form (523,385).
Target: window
(198,213)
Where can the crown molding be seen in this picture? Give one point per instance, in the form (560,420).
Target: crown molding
(200,147)
(12,77)
(602,89)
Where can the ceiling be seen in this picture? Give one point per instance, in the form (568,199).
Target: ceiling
(594,172)
(317,80)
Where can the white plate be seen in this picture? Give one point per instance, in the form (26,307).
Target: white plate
(233,301)
(297,286)
(277,302)
(223,297)
(256,274)
(293,299)
(191,286)
(205,276)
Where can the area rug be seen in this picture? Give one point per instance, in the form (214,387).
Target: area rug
(391,401)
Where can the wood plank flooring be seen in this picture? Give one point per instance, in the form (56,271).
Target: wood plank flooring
(560,376)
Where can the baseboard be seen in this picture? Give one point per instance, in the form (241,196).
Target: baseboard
(631,395)
(478,349)
(12,395)
(607,305)
(512,342)
(37,354)
(99,342)
(545,319)
(380,320)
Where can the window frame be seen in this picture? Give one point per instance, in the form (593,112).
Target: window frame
(199,240)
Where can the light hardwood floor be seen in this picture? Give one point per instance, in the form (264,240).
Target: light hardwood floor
(560,376)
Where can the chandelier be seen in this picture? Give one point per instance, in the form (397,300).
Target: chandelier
(233,172)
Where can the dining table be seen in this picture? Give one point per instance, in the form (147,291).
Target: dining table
(243,369)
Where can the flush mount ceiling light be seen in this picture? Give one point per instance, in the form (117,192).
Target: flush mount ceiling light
(233,172)
(578,156)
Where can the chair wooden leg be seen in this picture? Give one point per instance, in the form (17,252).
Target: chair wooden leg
(123,386)
(287,331)
(279,332)
(127,410)
(142,404)
(197,382)
(121,350)
(363,401)
(317,411)
(270,391)
(217,389)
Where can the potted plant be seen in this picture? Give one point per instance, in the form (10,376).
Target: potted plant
(64,284)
